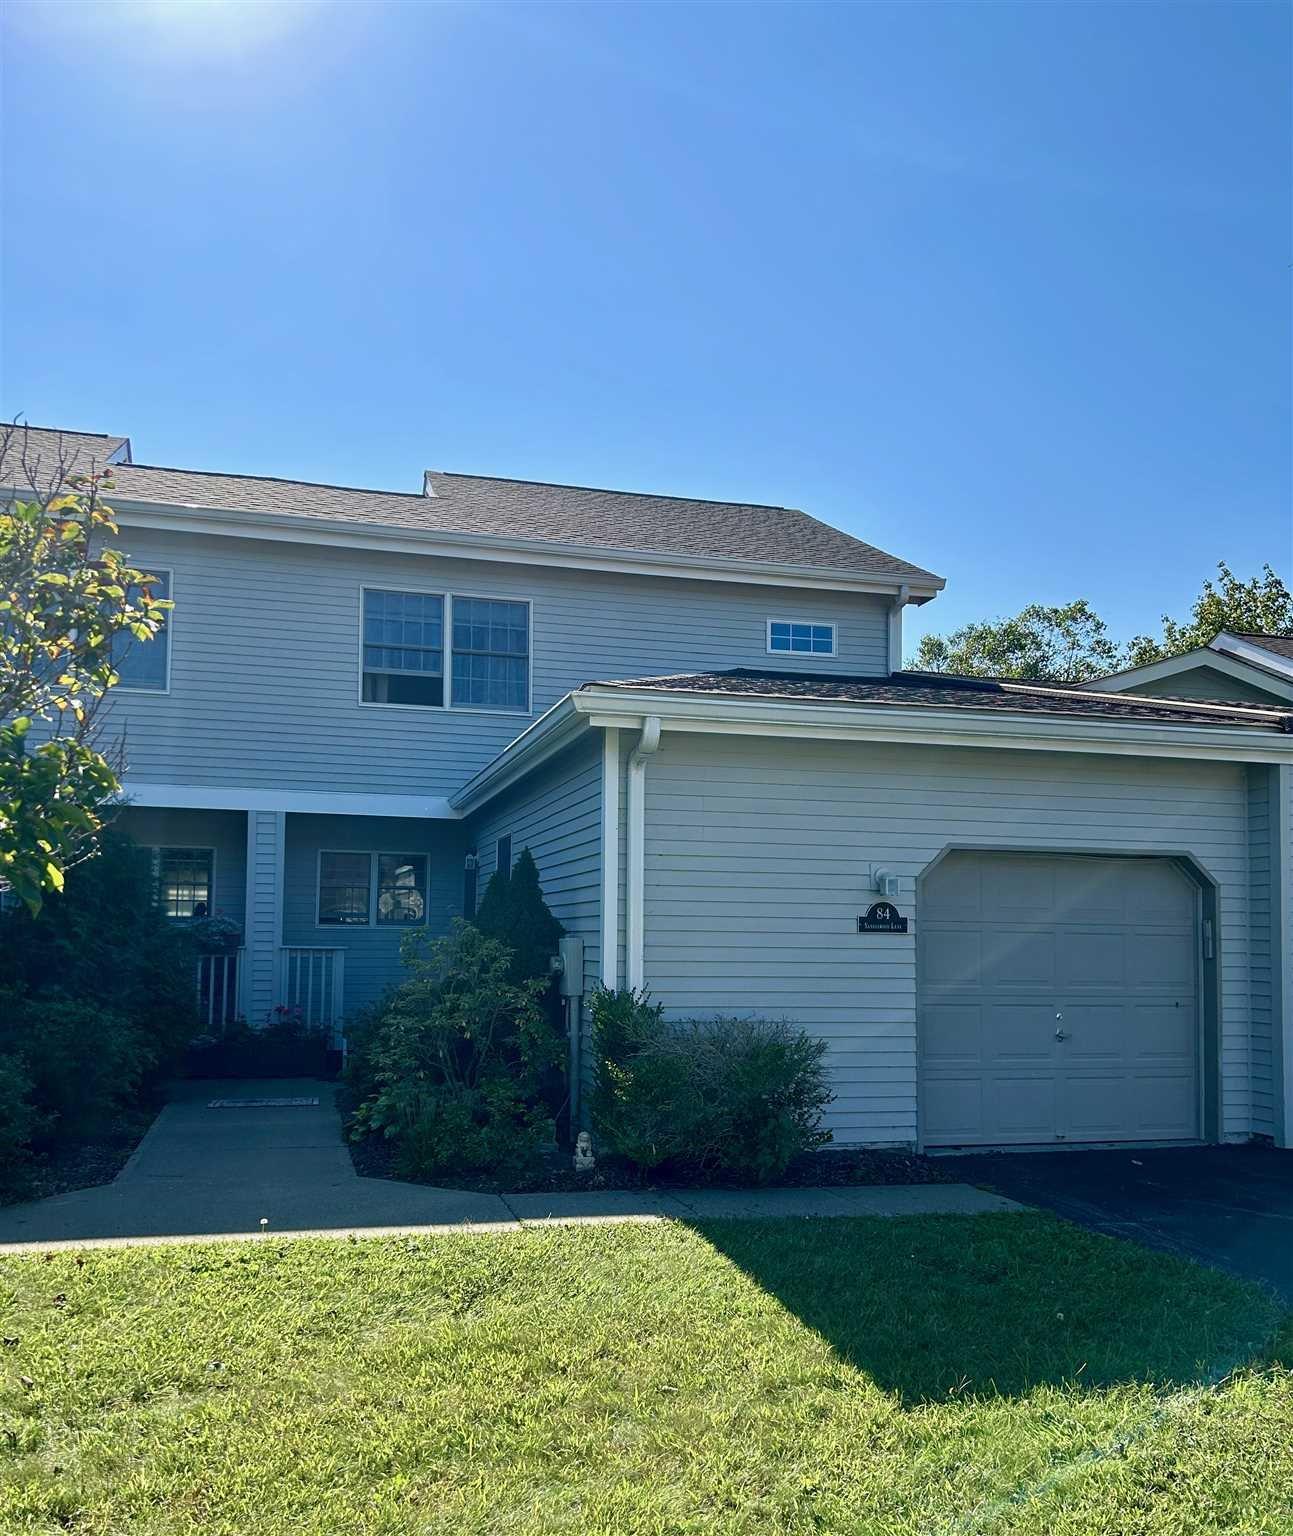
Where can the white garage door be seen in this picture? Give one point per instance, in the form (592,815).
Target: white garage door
(1057,1000)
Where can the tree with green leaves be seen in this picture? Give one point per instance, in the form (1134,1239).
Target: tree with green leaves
(1263,605)
(65,595)
(1071,644)
(1066,644)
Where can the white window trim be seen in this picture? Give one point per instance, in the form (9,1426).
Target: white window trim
(158,693)
(817,624)
(157,849)
(372,855)
(446,596)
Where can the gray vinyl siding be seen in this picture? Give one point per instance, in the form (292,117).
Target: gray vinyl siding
(372,954)
(556,813)
(223,831)
(758,861)
(1263,851)
(1208,683)
(265,659)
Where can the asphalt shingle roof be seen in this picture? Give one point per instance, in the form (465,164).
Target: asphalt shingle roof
(45,446)
(939,691)
(1282,645)
(521,510)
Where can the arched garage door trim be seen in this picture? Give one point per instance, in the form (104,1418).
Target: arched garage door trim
(1208,945)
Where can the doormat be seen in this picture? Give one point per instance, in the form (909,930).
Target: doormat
(263,1104)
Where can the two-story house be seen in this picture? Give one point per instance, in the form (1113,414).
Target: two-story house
(1018,914)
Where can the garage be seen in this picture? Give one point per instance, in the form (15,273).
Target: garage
(1058,1000)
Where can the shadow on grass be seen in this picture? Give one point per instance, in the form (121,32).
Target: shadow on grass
(932,1308)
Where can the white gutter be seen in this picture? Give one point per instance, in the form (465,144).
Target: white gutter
(934,725)
(389,537)
(553,730)
(635,875)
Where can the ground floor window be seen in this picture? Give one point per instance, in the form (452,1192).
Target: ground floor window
(184,878)
(367,889)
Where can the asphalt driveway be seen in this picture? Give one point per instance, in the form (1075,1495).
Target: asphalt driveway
(1228,1206)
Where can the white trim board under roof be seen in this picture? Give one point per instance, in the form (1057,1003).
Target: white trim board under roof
(1139,728)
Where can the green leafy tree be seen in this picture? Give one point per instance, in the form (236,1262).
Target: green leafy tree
(1065,644)
(1262,605)
(65,594)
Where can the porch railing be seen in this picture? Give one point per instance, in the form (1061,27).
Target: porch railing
(218,980)
(313,980)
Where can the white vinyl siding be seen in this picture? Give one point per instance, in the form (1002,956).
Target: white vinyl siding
(265,663)
(758,861)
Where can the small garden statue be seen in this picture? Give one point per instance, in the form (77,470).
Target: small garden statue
(585,1162)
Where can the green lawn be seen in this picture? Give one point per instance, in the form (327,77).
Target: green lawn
(933,1375)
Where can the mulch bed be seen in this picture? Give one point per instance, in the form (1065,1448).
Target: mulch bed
(78,1164)
(374,1159)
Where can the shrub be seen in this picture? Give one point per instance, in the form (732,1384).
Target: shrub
(83,1063)
(104,939)
(513,911)
(725,1096)
(96,999)
(20,1121)
(458,1058)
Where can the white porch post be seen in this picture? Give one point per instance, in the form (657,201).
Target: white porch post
(266,846)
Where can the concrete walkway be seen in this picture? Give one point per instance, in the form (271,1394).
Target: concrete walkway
(204,1172)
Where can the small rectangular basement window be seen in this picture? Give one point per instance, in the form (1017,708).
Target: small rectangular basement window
(795,638)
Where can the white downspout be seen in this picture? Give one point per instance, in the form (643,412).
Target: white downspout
(635,884)
(895,627)
(610,858)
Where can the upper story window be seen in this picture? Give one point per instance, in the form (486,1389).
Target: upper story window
(800,638)
(360,889)
(404,650)
(145,664)
(184,879)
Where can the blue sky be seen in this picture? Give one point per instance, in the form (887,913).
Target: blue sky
(1003,289)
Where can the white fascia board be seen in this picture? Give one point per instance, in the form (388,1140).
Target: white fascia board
(387,538)
(551,733)
(1257,655)
(237,797)
(931,726)
(1258,674)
